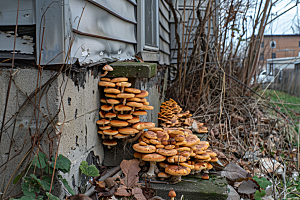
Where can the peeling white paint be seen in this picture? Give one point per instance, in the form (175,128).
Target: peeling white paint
(24,44)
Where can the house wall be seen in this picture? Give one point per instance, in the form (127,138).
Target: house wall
(164,33)
(106,29)
(286,46)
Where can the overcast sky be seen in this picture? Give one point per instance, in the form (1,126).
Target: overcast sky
(283,24)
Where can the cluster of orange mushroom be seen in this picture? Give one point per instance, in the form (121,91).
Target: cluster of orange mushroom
(120,109)
(171,115)
(177,151)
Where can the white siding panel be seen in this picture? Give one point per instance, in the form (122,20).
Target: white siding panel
(164,22)
(165,47)
(89,49)
(99,22)
(122,7)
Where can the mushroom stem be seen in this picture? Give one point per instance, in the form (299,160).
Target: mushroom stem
(124,101)
(104,74)
(110,137)
(150,172)
(113,107)
(132,110)
(122,89)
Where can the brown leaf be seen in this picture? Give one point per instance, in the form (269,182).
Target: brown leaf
(131,169)
(100,184)
(234,172)
(123,192)
(138,193)
(247,187)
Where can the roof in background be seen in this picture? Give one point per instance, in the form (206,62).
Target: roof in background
(281,35)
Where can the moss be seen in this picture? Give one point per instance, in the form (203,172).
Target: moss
(133,70)
(201,189)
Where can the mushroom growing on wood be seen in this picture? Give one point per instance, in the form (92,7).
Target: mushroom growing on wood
(110,115)
(133,120)
(163,175)
(134,105)
(102,114)
(111,95)
(118,123)
(106,84)
(123,85)
(172,194)
(109,143)
(140,112)
(125,116)
(106,107)
(128,131)
(110,133)
(106,69)
(152,158)
(142,94)
(132,90)
(119,79)
(125,96)
(102,122)
(112,90)
(122,108)
(113,102)
(105,79)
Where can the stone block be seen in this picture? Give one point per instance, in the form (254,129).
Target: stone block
(133,70)
(214,188)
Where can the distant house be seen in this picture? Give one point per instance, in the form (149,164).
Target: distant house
(279,46)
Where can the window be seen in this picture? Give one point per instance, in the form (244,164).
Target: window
(273,55)
(261,57)
(150,23)
(271,69)
(272,44)
(147,25)
(262,45)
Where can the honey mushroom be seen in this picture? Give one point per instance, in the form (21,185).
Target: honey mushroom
(134,105)
(106,68)
(113,102)
(109,143)
(106,84)
(123,85)
(125,96)
(105,79)
(122,108)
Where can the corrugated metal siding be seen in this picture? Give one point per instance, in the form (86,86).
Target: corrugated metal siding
(164,33)
(8,11)
(107,29)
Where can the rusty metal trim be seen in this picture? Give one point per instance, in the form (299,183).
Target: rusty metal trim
(111,12)
(103,37)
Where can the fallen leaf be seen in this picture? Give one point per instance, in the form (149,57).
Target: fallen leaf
(123,192)
(131,169)
(233,195)
(234,172)
(138,193)
(248,187)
